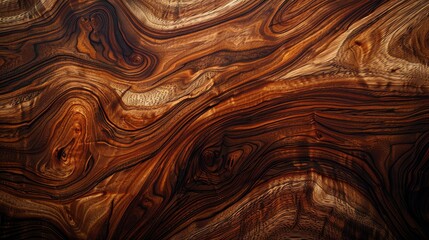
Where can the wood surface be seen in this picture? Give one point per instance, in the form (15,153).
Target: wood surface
(216,119)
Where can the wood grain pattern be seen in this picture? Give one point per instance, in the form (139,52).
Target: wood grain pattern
(218,119)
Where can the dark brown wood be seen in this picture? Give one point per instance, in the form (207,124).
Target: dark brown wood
(217,119)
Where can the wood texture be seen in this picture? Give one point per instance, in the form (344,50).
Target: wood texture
(217,119)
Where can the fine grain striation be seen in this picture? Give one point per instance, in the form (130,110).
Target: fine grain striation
(218,119)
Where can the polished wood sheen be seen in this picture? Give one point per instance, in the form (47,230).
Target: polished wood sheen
(216,119)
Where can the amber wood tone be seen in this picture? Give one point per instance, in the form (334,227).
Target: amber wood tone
(216,119)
